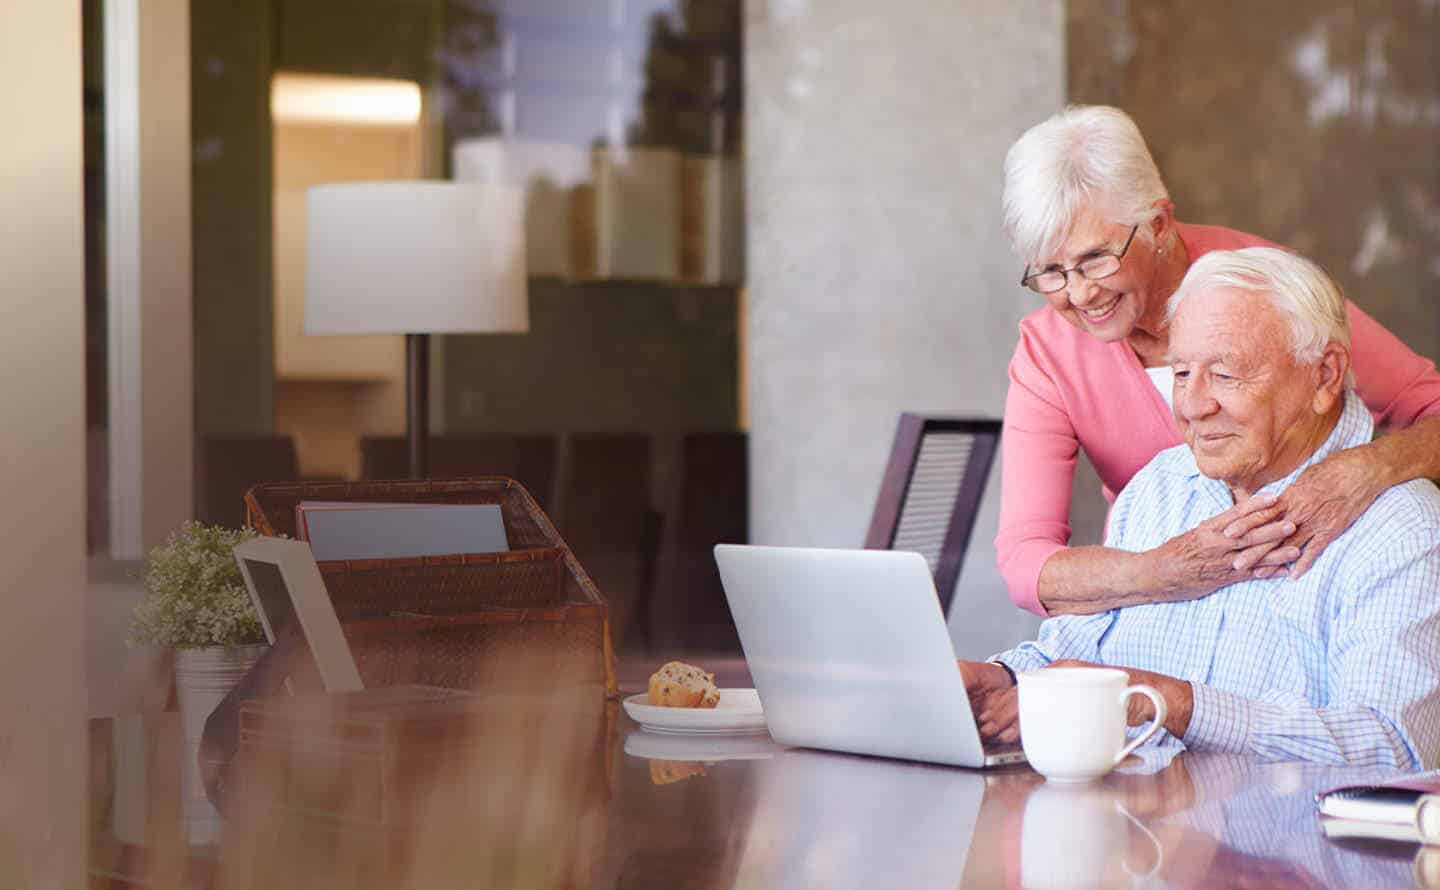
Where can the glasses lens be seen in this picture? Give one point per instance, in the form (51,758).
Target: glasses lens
(1100,267)
(1047,282)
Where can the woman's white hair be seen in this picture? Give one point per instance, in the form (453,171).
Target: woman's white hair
(1085,156)
(1309,299)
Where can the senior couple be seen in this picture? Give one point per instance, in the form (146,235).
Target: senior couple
(1269,568)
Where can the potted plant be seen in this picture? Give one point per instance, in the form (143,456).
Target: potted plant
(196,604)
(195,600)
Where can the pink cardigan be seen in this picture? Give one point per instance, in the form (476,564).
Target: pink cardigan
(1070,391)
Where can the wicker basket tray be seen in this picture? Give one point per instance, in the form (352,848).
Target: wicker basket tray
(455,620)
(522,579)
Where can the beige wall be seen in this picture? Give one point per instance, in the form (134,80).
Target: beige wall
(331,390)
(315,154)
(42,466)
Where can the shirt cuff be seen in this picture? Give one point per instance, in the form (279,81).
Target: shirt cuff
(1024,657)
(1219,720)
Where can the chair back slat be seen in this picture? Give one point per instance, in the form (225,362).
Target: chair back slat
(931,492)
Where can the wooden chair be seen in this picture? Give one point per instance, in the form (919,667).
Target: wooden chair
(227,466)
(931,492)
(529,459)
(604,510)
(707,505)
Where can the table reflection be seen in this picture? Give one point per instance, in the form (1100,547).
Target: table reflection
(832,820)
(1204,820)
(1262,818)
(675,758)
(575,795)
(518,798)
(1079,837)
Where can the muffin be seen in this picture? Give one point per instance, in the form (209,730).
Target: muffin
(680,685)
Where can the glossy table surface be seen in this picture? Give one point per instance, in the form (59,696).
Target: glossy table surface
(591,800)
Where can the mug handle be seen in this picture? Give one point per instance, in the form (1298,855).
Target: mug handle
(1155,699)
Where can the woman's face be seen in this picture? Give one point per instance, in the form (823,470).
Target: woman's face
(1110,308)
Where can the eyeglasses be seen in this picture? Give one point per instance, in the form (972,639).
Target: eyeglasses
(1094,268)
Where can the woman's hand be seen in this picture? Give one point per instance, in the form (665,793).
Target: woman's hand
(1246,541)
(1251,539)
(1324,500)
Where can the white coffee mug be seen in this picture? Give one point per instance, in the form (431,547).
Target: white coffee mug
(1072,720)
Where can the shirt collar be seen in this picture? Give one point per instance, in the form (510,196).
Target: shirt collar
(1355,427)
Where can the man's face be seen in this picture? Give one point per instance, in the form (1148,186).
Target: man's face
(1249,413)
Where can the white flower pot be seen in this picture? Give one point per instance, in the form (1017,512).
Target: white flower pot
(202,678)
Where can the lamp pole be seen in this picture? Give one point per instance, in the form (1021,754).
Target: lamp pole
(417,402)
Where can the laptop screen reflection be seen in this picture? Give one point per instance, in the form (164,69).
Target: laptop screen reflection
(834,821)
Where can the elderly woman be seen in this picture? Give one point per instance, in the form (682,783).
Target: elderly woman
(1086,209)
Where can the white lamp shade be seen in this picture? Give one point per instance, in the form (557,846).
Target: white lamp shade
(415,258)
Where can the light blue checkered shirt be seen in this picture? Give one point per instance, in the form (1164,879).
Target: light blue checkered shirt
(1341,665)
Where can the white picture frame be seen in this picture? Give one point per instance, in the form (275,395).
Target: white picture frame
(285,586)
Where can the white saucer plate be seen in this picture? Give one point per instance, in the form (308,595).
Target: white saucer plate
(739,711)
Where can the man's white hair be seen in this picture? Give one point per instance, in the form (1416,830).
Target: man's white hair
(1085,156)
(1309,299)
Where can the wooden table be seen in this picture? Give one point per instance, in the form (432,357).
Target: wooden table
(597,802)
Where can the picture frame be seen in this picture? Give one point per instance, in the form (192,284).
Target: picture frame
(290,597)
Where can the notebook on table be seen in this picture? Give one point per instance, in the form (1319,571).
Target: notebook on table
(1405,809)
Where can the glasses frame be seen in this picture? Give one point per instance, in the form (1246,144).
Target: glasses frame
(1026,276)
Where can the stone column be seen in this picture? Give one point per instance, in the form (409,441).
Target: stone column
(148,259)
(879,278)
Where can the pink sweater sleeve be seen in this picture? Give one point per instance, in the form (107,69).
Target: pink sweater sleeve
(1397,385)
(1037,464)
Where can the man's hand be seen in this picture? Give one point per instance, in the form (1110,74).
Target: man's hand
(1179,698)
(1246,541)
(992,700)
(1324,500)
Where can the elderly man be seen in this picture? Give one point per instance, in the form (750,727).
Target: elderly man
(1339,665)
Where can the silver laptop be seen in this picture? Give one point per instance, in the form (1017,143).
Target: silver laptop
(849,652)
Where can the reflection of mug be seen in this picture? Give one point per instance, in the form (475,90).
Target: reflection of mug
(1072,721)
(1079,837)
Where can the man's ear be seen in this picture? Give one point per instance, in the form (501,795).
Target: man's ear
(1330,387)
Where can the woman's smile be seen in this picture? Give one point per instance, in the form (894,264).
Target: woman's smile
(1101,312)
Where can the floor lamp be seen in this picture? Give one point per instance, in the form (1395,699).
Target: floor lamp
(416,258)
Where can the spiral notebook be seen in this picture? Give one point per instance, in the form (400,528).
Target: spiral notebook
(1405,809)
